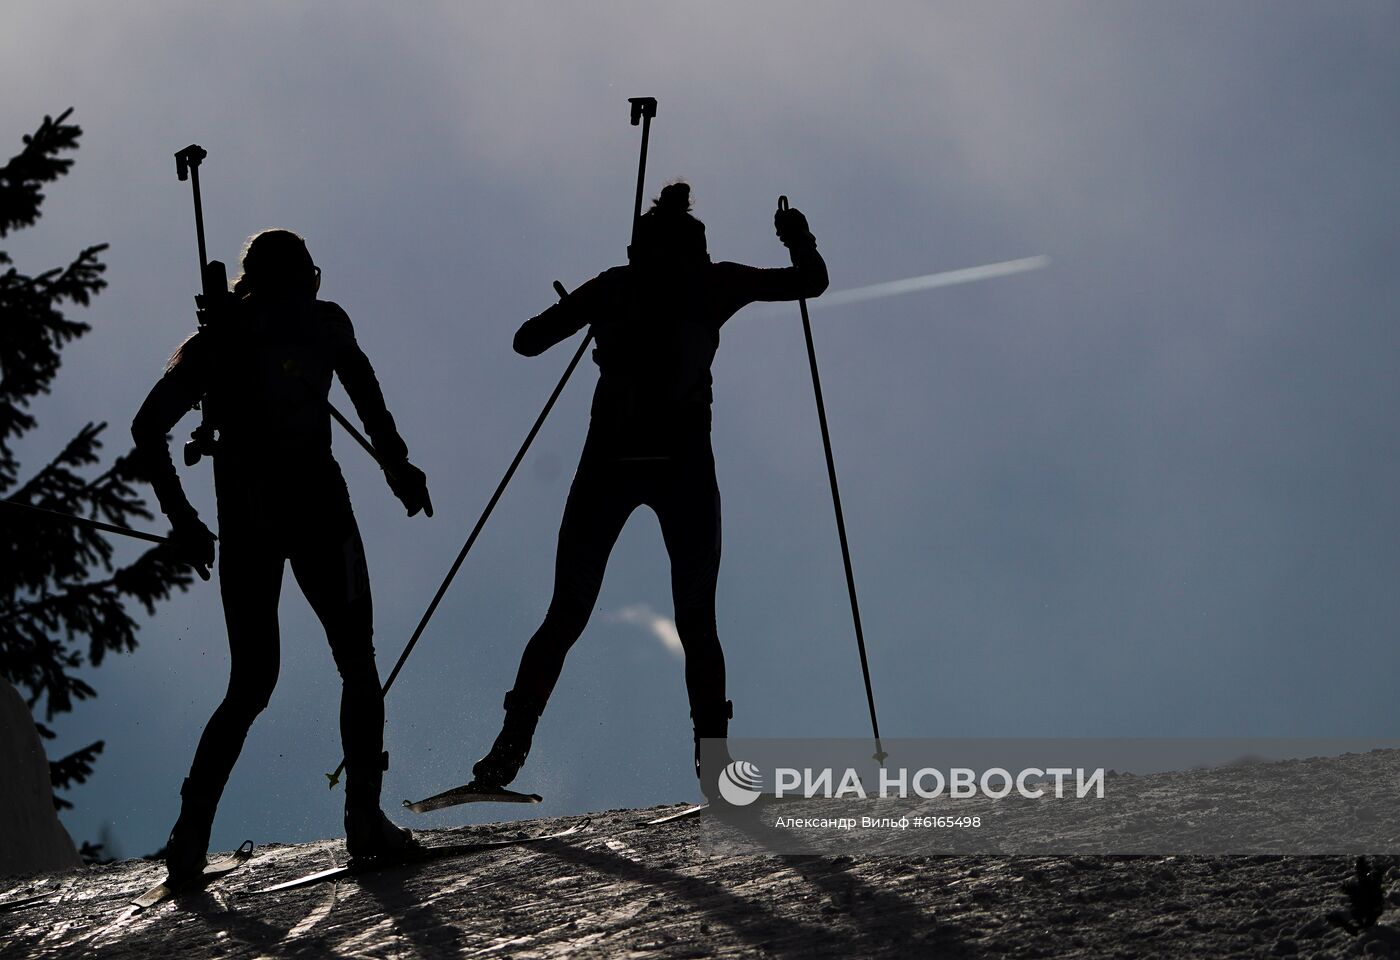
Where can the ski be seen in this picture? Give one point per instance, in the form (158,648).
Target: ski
(427,855)
(467,793)
(686,814)
(212,871)
(26,902)
(700,809)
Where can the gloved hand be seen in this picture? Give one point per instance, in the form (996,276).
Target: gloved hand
(410,485)
(193,543)
(792,229)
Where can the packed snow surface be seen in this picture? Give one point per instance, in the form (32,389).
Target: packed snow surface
(622,889)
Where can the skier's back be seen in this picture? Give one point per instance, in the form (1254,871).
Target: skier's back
(657,323)
(262,372)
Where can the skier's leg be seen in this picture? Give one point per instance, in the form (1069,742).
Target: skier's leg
(687,504)
(329,566)
(250,578)
(598,505)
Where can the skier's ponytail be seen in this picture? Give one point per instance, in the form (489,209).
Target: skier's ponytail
(668,232)
(673,199)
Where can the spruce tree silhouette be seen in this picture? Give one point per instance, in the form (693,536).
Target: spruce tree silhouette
(63,597)
(261,367)
(657,323)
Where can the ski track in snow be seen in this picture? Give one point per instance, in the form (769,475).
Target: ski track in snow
(622,889)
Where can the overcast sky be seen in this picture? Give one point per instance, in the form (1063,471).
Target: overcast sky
(1151,489)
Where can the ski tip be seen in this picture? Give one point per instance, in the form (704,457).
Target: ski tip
(213,871)
(460,795)
(686,813)
(21,904)
(148,900)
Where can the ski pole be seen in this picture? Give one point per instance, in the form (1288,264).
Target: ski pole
(840,518)
(87,522)
(334,777)
(356,435)
(490,504)
(213,276)
(643,109)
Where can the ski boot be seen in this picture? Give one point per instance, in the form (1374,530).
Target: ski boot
(186,852)
(498,768)
(711,723)
(369,834)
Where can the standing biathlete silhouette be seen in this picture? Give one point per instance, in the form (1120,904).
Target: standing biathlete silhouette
(657,323)
(262,371)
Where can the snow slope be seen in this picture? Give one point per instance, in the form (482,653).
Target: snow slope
(622,889)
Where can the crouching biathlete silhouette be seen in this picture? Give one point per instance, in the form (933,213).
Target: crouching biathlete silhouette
(262,369)
(657,323)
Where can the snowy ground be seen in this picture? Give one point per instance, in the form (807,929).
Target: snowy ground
(622,889)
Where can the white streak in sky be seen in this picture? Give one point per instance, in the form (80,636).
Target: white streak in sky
(928,281)
(662,628)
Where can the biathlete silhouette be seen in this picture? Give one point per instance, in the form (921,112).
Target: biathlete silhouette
(656,322)
(262,370)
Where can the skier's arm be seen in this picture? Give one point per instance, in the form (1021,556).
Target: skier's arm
(183,385)
(806,278)
(562,320)
(356,374)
